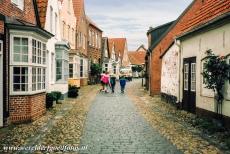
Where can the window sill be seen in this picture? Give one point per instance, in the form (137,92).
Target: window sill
(27,93)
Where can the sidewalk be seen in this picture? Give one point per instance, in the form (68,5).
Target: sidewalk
(172,123)
(60,126)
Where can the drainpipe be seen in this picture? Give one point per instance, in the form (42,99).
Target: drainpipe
(150,67)
(178,44)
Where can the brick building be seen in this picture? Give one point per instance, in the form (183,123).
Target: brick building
(81,47)
(24,94)
(94,42)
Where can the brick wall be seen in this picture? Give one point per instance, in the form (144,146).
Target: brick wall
(27,108)
(9,9)
(165,43)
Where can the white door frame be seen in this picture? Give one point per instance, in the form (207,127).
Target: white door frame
(1,83)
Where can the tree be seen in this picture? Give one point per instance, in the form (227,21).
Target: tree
(95,69)
(215,73)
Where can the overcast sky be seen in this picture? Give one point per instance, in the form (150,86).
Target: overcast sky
(132,18)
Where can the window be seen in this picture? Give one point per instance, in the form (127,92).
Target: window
(19,3)
(81,68)
(52,66)
(27,68)
(63,29)
(51,19)
(20,51)
(70,70)
(56,20)
(114,70)
(34,51)
(186,69)
(39,53)
(73,35)
(106,67)
(44,53)
(96,41)
(43,78)
(62,66)
(20,78)
(34,79)
(69,33)
(193,77)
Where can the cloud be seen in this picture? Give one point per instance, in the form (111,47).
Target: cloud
(132,18)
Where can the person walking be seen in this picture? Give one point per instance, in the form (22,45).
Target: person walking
(106,80)
(122,84)
(112,82)
(102,83)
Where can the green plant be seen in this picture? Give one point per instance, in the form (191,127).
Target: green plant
(73,91)
(57,95)
(215,74)
(95,69)
(49,100)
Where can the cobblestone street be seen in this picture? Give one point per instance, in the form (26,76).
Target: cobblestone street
(114,126)
(108,123)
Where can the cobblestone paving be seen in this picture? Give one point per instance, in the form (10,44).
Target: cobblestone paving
(61,126)
(170,122)
(114,126)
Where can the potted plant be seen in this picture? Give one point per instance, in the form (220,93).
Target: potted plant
(49,100)
(73,91)
(57,95)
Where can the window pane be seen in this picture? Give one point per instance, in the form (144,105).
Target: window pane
(17,57)
(25,41)
(24,58)
(16,87)
(16,49)
(17,40)
(24,87)
(16,79)
(16,70)
(24,79)
(25,49)
(25,70)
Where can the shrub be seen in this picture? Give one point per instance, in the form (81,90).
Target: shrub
(57,95)
(73,91)
(49,100)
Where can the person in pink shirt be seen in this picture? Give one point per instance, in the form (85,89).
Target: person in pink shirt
(105,80)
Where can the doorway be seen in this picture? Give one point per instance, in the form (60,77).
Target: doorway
(189,84)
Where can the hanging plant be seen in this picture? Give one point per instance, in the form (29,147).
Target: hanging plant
(215,73)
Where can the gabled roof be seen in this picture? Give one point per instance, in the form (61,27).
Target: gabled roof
(119,44)
(79,8)
(110,46)
(42,9)
(208,11)
(137,57)
(105,42)
(91,22)
(196,14)
(141,47)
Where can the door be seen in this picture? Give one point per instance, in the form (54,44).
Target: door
(189,84)
(1,84)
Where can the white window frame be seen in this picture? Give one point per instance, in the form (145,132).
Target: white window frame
(18,3)
(30,36)
(64,66)
(186,73)
(193,89)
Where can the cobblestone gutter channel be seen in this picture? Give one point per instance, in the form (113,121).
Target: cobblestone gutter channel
(61,126)
(169,123)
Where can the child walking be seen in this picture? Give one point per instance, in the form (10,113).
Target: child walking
(122,84)
(112,82)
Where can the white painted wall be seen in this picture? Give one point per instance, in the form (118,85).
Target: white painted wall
(1,84)
(51,79)
(217,40)
(169,73)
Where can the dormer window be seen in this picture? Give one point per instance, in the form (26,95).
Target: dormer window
(18,3)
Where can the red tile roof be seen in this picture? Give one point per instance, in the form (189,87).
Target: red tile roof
(137,57)
(208,11)
(119,44)
(42,8)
